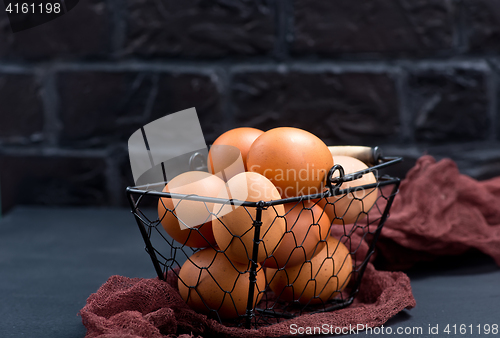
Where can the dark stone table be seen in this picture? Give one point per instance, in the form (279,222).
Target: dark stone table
(51,260)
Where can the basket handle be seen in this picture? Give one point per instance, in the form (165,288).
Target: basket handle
(368,155)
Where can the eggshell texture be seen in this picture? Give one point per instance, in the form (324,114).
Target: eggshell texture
(318,280)
(306,225)
(233,227)
(352,207)
(206,277)
(225,161)
(295,160)
(190,223)
(241,138)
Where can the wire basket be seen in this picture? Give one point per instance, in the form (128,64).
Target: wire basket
(281,294)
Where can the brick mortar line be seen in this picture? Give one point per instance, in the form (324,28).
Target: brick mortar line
(118,30)
(46,151)
(492,104)
(209,66)
(52,151)
(137,67)
(466,146)
(462,44)
(493,78)
(224,84)
(152,96)
(50,101)
(114,188)
(283,22)
(14,68)
(120,56)
(470,63)
(407,132)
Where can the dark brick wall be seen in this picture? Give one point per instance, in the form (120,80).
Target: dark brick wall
(415,77)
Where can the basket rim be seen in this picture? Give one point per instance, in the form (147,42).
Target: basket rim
(328,192)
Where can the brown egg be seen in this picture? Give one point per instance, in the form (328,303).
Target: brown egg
(318,280)
(190,222)
(295,160)
(306,225)
(241,138)
(354,206)
(209,281)
(233,227)
(225,161)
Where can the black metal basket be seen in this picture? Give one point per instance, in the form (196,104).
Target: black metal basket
(263,307)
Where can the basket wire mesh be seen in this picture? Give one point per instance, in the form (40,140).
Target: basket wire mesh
(262,305)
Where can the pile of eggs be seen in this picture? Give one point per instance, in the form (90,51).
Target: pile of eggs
(297,256)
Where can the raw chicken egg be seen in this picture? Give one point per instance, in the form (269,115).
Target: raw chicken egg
(306,225)
(209,282)
(354,206)
(315,281)
(228,154)
(241,138)
(295,160)
(225,161)
(190,222)
(233,224)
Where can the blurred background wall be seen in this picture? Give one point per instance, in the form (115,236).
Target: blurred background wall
(414,77)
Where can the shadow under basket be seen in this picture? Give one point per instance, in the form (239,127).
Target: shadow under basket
(261,304)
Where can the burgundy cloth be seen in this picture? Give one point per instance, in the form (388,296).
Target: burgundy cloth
(132,308)
(438,211)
